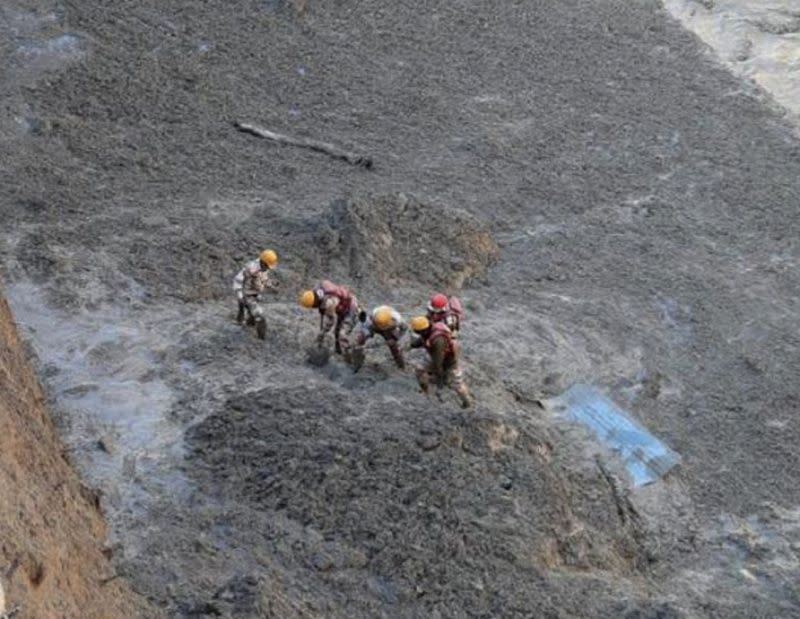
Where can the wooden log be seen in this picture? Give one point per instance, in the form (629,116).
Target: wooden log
(322,147)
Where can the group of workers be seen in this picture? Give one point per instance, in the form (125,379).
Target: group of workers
(436,331)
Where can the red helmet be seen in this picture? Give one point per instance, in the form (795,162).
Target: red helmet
(438,303)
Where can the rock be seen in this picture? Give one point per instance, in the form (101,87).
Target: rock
(428,443)
(104,444)
(317,356)
(323,562)
(382,589)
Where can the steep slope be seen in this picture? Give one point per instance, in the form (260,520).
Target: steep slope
(52,562)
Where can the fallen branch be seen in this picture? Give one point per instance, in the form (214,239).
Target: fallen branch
(105,581)
(322,147)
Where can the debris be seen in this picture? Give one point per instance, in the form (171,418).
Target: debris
(317,356)
(108,579)
(625,509)
(323,147)
(748,575)
(105,444)
(429,443)
(323,562)
(646,458)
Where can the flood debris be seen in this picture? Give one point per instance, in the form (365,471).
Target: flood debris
(646,458)
(356,159)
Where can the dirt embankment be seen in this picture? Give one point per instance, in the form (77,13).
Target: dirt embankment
(52,562)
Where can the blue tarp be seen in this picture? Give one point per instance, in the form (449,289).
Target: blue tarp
(645,457)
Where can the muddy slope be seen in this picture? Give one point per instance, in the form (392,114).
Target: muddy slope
(52,534)
(617,208)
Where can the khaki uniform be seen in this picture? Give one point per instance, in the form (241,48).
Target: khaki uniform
(342,322)
(392,336)
(443,366)
(248,285)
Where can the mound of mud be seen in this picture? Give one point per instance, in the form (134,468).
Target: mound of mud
(375,507)
(384,240)
(52,561)
(397,239)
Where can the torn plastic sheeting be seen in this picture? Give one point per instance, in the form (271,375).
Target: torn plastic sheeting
(646,458)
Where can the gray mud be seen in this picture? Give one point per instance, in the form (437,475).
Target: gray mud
(617,209)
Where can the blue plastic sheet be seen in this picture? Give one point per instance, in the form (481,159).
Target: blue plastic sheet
(645,457)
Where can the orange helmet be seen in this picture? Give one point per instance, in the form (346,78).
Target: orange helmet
(268,258)
(419,324)
(382,317)
(308,299)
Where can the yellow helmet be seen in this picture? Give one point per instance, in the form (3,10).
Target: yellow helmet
(419,324)
(307,299)
(382,317)
(269,258)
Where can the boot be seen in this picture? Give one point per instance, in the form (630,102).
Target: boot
(357,359)
(422,380)
(261,329)
(398,358)
(465,397)
(240,315)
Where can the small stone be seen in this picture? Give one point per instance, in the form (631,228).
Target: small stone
(323,562)
(104,444)
(428,443)
(358,559)
(506,483)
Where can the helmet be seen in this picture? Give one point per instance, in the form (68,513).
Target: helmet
(438,303)
(308,299)
(269,258)
(419,324)
(382,317)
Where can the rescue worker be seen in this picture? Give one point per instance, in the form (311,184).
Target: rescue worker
(337,306)
(444,350)
(386,322)
(450,311)
(248,285)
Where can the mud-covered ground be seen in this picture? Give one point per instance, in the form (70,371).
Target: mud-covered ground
(643,204)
